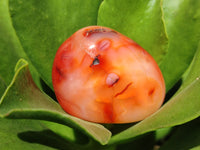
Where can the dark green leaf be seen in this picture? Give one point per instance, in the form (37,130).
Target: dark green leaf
(185,137)
(42,26)
(182,21)
(139,20)
(138,143)
(23,99)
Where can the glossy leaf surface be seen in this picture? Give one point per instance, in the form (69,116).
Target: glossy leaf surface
(42,26)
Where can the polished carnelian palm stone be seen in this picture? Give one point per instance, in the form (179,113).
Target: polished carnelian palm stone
(100,75)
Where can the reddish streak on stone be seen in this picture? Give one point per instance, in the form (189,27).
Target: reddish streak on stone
(60,74)
(59,71)
(88,33)
(123,90)
(151,92)
(108,111)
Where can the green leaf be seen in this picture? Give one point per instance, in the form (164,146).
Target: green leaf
(139,20)
(2,86)
(66,132)
(42,26)
(196,148)
(27,134)
(182,21)
(183,107)
(10,48)
(185,137)
(22,99)
(194,70)
(162,133)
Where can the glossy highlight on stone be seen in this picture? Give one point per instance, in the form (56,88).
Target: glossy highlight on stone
(102,76)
